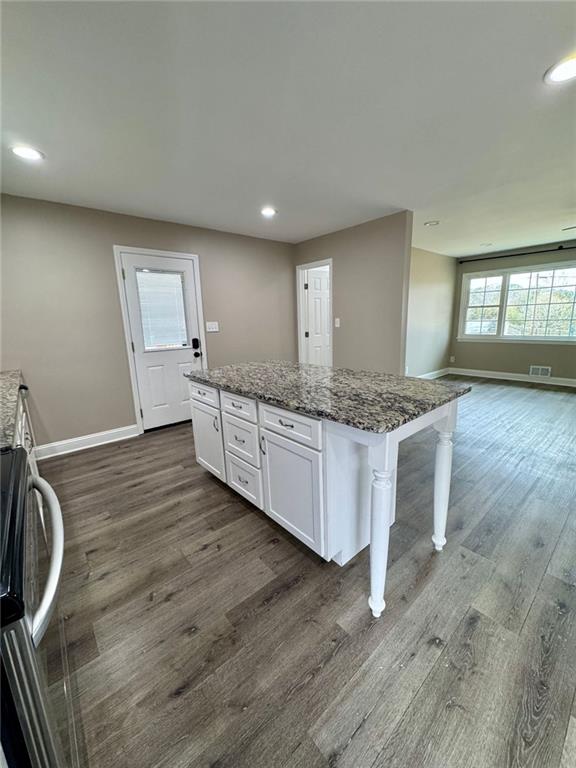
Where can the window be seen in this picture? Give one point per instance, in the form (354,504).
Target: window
(483,309)
(520,304)
(161,297)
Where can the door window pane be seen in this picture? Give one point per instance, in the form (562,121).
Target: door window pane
(161,297)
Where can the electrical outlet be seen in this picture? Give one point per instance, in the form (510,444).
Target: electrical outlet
(452,359)
(336,322)
(212,326)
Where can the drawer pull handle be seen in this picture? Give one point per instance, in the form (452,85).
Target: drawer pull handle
(202,392)
(235,405)
(285,424)
(262,444)
(239,439)
(215,424)
(240,480)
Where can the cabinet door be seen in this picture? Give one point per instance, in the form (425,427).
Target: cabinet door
(207,425)
(293,488)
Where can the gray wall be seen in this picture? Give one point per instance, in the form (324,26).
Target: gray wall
(510,357)
(371,265)
(61,321)
(430,309)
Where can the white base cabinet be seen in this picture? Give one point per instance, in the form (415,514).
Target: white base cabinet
(207,425)
(268,455)
(293,490)
(311,480)
(244,479)
(302,472)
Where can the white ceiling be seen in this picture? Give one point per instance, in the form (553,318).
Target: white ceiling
(336,113)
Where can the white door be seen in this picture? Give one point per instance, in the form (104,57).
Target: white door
(207,425)
(316,316)
(293,488)
(161,299)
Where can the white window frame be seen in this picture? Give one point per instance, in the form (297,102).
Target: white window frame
(498,337)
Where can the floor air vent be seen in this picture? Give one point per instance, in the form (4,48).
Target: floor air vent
(540,370)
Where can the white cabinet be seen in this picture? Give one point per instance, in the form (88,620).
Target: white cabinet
(268,455)
(239,406)
(244,479)
(207,395)
(293,488)
(207,423)
(241,439)
(297,427)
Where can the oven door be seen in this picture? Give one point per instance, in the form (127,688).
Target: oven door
(34,649)
(47,618)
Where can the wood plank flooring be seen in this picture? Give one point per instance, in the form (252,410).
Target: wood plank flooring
(202,634)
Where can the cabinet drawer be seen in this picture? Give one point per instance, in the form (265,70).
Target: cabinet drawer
(244,479)
(204,394)
(303,429)
(239,406)
(241,439)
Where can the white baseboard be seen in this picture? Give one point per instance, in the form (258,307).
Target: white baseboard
(556,380)
(434,374)
(86,441)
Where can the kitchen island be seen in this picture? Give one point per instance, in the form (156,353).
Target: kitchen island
(316,448)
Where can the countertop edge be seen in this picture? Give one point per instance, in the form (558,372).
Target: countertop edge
(318,414)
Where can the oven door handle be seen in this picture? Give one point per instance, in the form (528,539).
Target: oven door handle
(43,614)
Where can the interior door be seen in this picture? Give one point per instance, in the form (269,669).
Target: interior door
(318,344)
(165,330)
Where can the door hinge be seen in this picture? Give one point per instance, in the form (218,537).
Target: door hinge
(306,334)
(141,413)
(133,347)
(305,286)
(123,274)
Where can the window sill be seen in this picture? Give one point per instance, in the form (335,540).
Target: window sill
(519,340)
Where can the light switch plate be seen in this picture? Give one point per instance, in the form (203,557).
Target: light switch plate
(212,326)
(336,322)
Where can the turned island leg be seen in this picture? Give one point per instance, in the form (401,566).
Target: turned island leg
(383,462)
(442,477)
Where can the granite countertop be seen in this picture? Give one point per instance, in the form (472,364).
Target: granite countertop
(373,402)
(10,382)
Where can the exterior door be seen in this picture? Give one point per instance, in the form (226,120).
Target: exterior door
(317,342)
(164,322)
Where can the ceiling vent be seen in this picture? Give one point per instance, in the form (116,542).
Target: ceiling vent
(540,370)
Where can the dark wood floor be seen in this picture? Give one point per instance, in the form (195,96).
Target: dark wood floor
(202,634)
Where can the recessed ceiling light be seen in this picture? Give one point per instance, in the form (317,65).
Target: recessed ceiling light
(563,71)
(486,245)
(268,212)
(28,153)
(431,223)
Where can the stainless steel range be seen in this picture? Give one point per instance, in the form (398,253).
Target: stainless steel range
(38,722)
